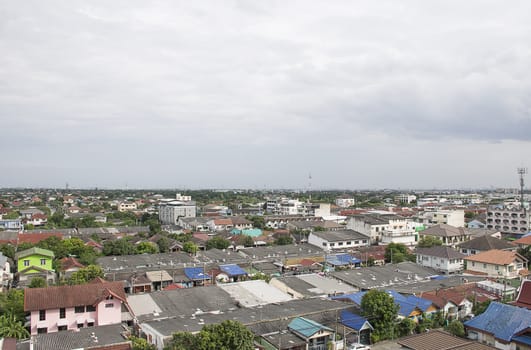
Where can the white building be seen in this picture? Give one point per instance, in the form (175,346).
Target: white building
(384,229)
(441,258)
(182,198)
(509,219)
(336,240)
(171,210)
(454,218)
(405,198)
(345,202)
(5,273)
(127,206)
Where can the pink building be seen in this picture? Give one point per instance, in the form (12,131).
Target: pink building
(54,309)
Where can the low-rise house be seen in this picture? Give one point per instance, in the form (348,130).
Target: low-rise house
(437,340)
(315,335)
(483,244)
(335,240)
(449,235)
(68,265)
(503,326)
(497,263)
(35,262)
(5,272)
(220,224)
(356,324)
(523,242)
(62,308)
(441,258)
(524,295)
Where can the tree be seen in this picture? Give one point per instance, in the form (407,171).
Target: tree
(284,240)
(10,327)
(227,335)
(12,215)
(146,248)
(85,275)
(118,247)
(244,240)
(190,247)
(406,327)
(456,328)
(37,282)
(164,244)
(217,242)
(8,250)
(258,221)
(12,303)
(428,242)
(397,253)
(141,344)
(479,308)
(382,311)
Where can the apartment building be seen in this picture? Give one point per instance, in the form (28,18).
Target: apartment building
(509,219)
(171,210)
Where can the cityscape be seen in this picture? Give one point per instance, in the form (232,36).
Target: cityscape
(265,175)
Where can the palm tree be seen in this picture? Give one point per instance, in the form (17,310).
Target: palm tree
(11,328)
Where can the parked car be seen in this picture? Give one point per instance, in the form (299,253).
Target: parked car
(358,346)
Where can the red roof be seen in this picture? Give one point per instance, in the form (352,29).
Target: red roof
(39,216)
(523,241)
(35,238)
(524,296)
(71,296)
(69,263)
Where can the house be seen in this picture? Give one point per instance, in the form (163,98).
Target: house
(315,335)
(384,228)
(35,262)
(334,240)
(449,235)
(356,324)
(36,220)
(68,265)
(476,224)
(497,263)
(503,326)
(62,308)
(5,272)
(441,258)
(437,340)
(220,224)
(523,242)
(524,295)
(483,244)
(126,206)
(34,238)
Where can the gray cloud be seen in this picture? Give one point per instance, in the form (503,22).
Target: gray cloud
(245,93)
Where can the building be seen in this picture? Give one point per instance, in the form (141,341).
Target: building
(505,327)
(35,262)
(454,218)
(509,219)
(183,198)
(483,244)
(437,340)
(5,272)
(335,240)
(63,308)
(171,211)
(127,206)
(11,224)
(384,228)
(497,263)
(441,258)
(449,235)
(345,201)
(405,198)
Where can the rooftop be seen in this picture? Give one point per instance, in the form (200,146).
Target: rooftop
(495,256)
(340,236)
(440,252)
(486,243)
(444,230)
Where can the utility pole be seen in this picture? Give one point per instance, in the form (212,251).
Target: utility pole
(522,172)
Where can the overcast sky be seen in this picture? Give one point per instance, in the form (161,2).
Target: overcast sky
(254,94)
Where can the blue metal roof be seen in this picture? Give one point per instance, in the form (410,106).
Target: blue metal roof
(232,270)
(342,259)
(355,297)
(353,321)
(196,273)
(501,320)
(421,303)
(306,327)
(524,339)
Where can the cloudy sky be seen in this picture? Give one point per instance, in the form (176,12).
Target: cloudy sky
(254,94)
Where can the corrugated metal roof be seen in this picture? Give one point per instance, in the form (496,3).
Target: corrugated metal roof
(353,321)
(232,270)
(501,320)
(196,273)
(306,327)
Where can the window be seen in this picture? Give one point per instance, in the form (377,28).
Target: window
(42,315)
(79,309)
(473,263)
(26,262)
(62,312)
(484,266)
(324,244)
(91,308)
(43,261)
(357,242)
(62,328)
(496,267)
(80,325)
(108,306)
(340,243)
(42,330)
(90,324)
(332,244)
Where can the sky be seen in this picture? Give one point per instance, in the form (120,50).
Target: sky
(261,94)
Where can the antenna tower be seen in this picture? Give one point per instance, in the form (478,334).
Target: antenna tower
(309,187)
(521,172)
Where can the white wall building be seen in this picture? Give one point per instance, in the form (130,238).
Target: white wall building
(509,219)
(441,258)
(336,240)
(345,202)
(171,210)
(405,198)
(127,206)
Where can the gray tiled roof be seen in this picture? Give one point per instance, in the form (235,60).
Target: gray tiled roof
(339,236)
(487,243)
(440,252)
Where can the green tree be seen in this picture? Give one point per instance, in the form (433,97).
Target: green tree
(12,215)
(244,240)
(37,282)
(406,327)
(164,244)
(479,308)
(57,219)
(12,303)
(456,328)
(397,253)
(10,327)
(382,310)
(428,242)
(284,240)
(141,344)
(85,275)
(218,243)
(146,248)
(190,247)
(227,335)
(88,257)
(258,221)
(118,247)
(8,250)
